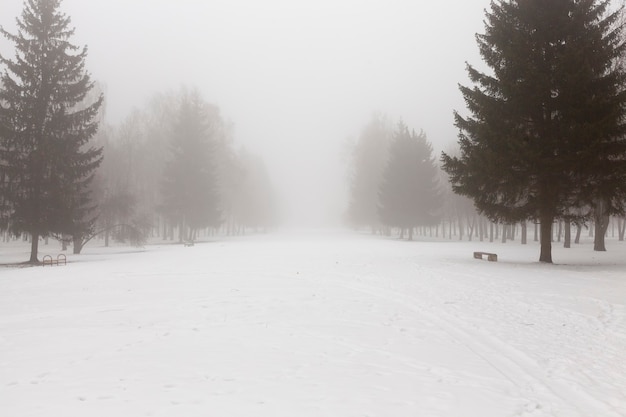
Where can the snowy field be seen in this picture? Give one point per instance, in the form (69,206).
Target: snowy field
(315,324)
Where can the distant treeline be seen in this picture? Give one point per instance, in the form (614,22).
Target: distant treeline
(396,186)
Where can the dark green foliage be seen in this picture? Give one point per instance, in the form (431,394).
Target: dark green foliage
(546,131)
(409,192)
(189,182)
(45,128)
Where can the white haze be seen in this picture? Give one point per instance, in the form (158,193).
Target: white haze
(296,78)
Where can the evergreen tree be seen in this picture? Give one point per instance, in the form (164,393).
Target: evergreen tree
(369,158)
(546,133)
(189,183)
(46,127)
(409,192)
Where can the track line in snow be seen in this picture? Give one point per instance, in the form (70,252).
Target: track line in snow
(514,365)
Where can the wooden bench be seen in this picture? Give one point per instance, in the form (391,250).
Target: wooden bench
(188,243)
(60,260)
(491,257)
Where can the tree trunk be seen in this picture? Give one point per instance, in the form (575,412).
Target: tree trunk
(598,240)
(579,229)
(470,226)
(78,246)
(621,228)
(34,248)
(410,233)
(524,233)
(601,223)
(546,238)
(612,221)
(567,243)
(181,231)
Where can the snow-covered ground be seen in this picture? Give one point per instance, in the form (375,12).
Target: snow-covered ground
(315,324)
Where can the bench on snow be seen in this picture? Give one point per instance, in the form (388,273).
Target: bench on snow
(188,243)
(60,260)
(491,257)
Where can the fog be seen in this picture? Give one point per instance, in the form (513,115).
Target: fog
(296,79)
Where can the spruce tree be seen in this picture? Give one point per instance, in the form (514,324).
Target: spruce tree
(369,158)
(546,131)
(189,182)
(409,193)
(46,126)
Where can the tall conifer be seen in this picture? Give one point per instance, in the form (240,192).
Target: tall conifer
(369,158)
(409,192)
(546,131)
(189,179)
(46,126)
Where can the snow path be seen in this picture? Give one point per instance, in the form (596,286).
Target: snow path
(316,325)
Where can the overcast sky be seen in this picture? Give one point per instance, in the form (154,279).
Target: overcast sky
(296,78)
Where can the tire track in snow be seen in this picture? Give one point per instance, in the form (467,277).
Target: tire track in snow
(511,363)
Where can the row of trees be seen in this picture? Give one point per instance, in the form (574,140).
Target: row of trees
(545,141)
(171,165)
(396,184)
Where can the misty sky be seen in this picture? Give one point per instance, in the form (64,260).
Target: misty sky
(297,78)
